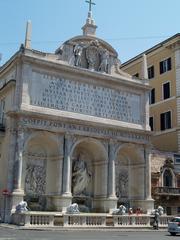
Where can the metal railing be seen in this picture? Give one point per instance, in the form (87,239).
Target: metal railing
(166,190)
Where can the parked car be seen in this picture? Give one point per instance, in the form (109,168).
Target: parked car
(174,226)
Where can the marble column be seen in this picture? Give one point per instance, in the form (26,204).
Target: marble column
(19,162)
(18,191)
(12,136)
(149,202)
(111,171)
(147,173)
(111,197)
(66,190)
(63,199)
(59,176)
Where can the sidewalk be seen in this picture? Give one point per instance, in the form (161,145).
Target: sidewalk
(60,228)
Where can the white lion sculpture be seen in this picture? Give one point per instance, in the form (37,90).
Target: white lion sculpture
(119,211)
(73,208)
(160,210)
(22,207)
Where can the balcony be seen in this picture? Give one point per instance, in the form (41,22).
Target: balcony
(166,191)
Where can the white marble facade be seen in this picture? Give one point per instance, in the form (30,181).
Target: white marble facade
(76,130)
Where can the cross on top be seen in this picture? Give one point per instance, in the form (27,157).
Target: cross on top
(90,4)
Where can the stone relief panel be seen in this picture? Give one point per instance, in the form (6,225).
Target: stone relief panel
(73,96)
(35,180)
(90,55)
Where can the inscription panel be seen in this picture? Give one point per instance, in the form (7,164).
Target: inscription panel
(73,96)
(59,126)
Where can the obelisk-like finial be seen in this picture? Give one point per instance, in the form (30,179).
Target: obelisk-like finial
(144,67)
(28,35)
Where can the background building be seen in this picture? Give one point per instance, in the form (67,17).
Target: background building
(164,76)
(165,176)
(163,64)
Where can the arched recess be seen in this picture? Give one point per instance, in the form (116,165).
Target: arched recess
(40,167)
(89,172)
(130,175)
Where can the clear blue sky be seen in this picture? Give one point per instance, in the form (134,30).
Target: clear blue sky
(130,26)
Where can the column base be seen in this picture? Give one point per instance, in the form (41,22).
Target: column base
(59,202)
(17,196)
(12,201)
(104,204)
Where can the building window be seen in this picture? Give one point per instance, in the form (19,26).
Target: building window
(167,178)
(178,182)
(152,96)
(165,119)
(151,123)
(136,75)
(2,112)
(165,65)
(178,210)
(151,72)
(166,90)
(177,159)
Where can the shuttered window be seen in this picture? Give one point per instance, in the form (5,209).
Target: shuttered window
(151,123)
(165,119)
(165,65)
(152,96)
(166,90)
(151,72)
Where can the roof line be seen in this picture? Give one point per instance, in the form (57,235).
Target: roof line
(150,49)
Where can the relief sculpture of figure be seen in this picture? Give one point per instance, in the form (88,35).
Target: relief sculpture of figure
(80,176)
(30,180)
(104,59)
(78,49)
(92,54)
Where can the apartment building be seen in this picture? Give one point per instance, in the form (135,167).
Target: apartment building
(163,68)
(163,62)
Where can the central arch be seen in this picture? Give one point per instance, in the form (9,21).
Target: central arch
(89,174)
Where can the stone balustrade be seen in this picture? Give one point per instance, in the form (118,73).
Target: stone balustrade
(131,221)
(31,219)
(87,220)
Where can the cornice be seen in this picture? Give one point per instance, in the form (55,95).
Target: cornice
(7,86)
(101,123)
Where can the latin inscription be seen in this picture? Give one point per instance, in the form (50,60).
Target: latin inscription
(61,126)
(89,99)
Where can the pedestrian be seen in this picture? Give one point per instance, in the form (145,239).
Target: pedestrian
(156,220)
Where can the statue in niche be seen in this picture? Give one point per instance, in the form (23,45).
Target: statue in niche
(80,176)
(92,54)
(104,60)
(78,49)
